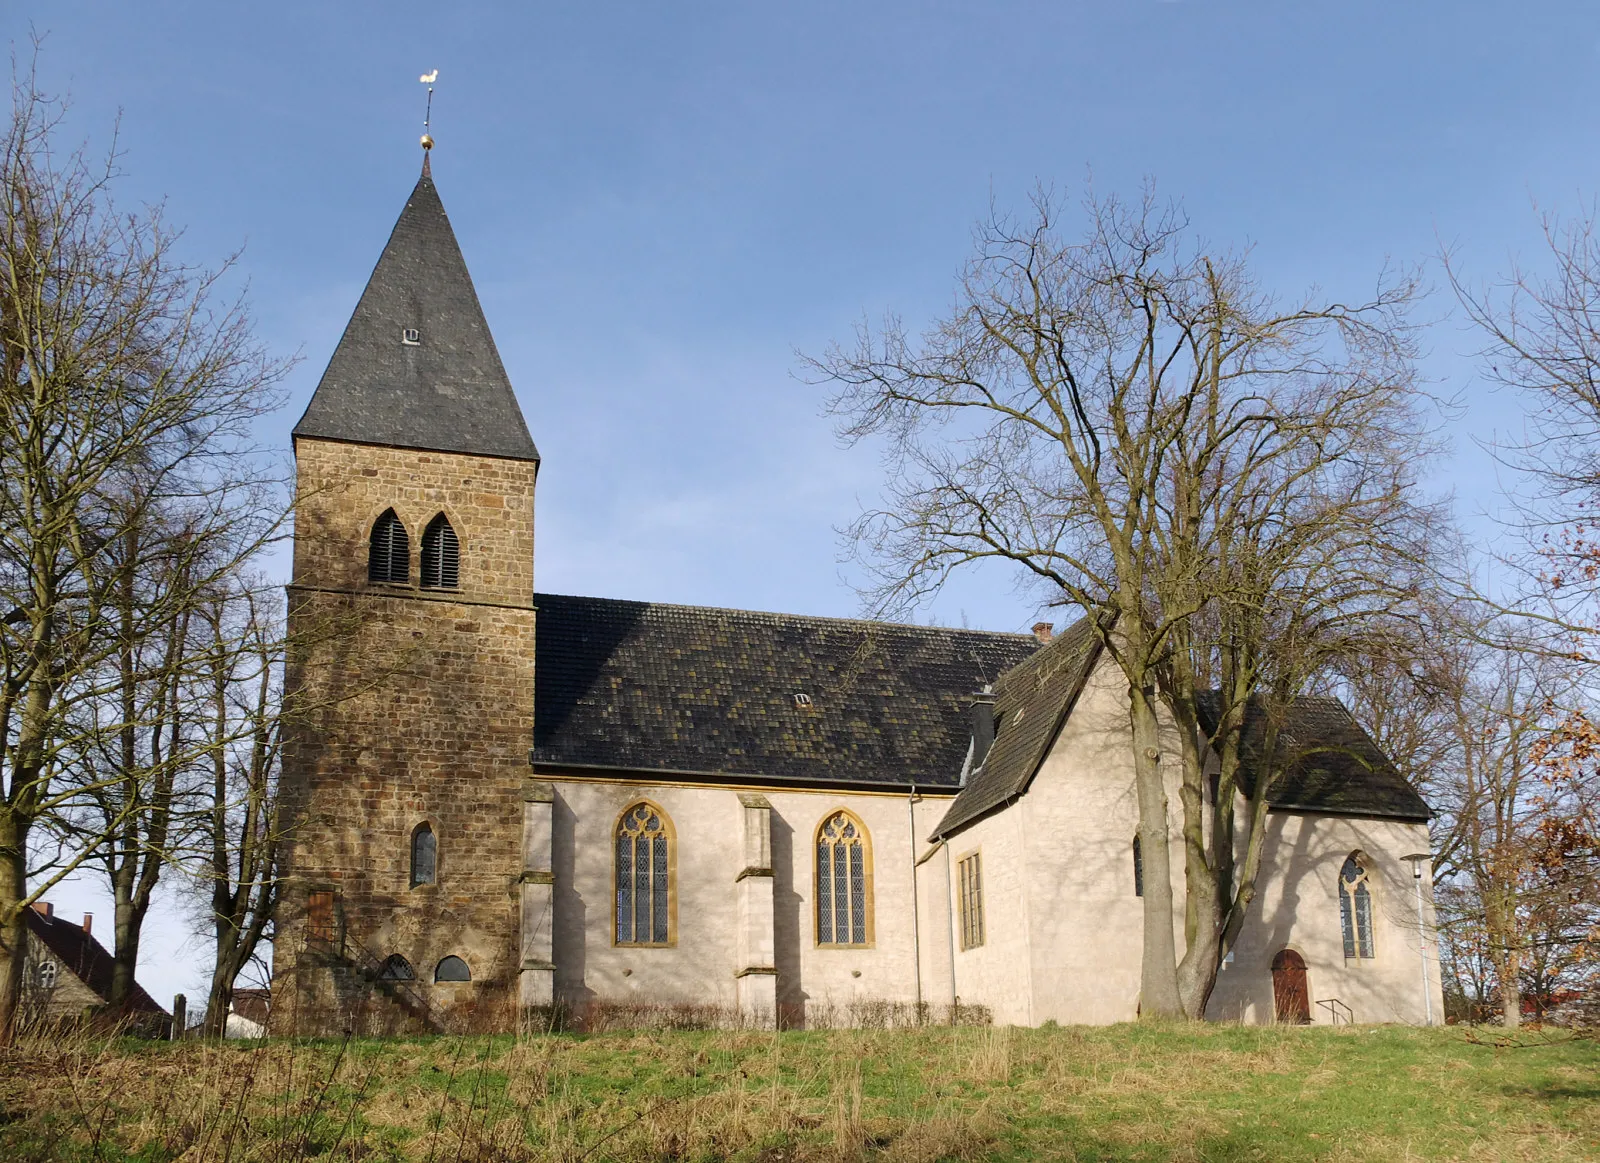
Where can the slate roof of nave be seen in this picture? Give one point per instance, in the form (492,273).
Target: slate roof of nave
(691,690)
(447,392)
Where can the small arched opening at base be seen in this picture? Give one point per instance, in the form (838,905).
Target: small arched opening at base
(396,968)
(1291,992)
(452,968)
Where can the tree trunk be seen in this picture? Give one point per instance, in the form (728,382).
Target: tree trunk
(1158,988)
(13,920)
(128,924)
(220,997)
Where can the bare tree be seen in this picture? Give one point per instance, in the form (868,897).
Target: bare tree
(241,824)
(1141,430)
(124,392)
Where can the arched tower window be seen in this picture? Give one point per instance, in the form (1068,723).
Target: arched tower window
(1355,908)
(452,968)
(441,555)
(644,877)
(389,551)
(844,881)
(424,856)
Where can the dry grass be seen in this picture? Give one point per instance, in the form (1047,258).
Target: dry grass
(1133,1092)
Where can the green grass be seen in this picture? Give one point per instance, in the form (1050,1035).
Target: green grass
(1140,1092)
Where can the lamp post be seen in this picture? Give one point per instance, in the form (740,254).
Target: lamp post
(1418,859)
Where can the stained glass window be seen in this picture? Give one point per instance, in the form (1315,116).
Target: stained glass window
(644,903)
(1355,909)
(844,900)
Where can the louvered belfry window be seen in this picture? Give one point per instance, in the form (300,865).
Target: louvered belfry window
(389,553)
(844,891)
(644,877)
(441,555)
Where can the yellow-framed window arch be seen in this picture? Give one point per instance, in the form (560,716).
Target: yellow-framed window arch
(644,879)
(843,881)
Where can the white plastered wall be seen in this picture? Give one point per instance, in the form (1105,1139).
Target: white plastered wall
(1065,929)
(1297,907)
(814,985)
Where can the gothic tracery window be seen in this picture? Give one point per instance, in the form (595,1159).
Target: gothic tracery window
(441,555)
(1355,908)
(844,882)
(644,876)
(389,551)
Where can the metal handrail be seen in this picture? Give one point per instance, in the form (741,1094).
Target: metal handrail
(351,951)
(1338,1011)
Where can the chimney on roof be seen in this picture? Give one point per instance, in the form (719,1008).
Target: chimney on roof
(1044,631)
(982,726)
(88,923)
(44,908)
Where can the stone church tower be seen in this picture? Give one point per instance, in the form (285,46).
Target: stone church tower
(405,770)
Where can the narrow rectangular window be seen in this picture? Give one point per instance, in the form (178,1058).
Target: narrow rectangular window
(970,896)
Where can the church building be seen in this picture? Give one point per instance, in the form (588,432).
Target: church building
(511,807)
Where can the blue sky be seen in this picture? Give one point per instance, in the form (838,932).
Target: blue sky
(662,204)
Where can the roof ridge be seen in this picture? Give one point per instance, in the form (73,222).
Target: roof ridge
(1020,634)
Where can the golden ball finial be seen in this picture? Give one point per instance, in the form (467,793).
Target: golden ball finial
(427,142)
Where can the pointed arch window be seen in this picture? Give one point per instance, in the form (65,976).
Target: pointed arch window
(644,877)
(424,856)
(396,968)
(844,882)
(389,551)
(441,555)
(1355,908)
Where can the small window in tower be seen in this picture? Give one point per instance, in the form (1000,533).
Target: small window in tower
(410,336)
(424,856)
(441,555)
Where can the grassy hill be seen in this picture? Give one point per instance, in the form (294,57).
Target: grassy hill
(1127,1093)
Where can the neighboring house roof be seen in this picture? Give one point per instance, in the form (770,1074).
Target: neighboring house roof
(449,390)
(85,958)
(253,1004)
(1032,701)
(646,687)
(1334,765)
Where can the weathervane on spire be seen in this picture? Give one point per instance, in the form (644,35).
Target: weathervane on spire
(427,140)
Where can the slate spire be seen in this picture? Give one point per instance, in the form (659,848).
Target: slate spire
(416,366)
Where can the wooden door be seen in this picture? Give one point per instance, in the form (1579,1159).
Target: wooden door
(1291,996)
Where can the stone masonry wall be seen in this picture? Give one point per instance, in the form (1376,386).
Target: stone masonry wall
(413,707)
